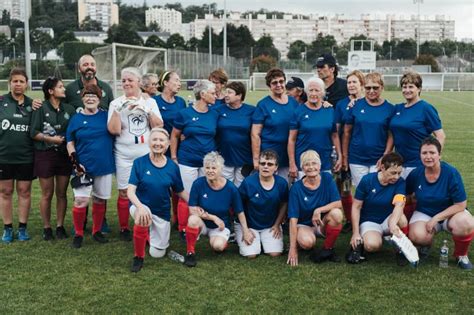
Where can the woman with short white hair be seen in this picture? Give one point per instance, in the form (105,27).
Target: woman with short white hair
(210,201)
(198,124)
(314,209)
(149,84)
(130,119)
(313,128)
(152,178)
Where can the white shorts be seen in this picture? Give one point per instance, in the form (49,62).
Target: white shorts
(101,188)
(234,174)
(317,230)
(262,238)
(189,175)
(358,171)
(406,171)
(382,228)
(420,216)
(123,169)
(225,233)
(159,230)
(283,172)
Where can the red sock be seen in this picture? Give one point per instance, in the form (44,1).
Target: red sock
(140,236)
(461,244)
(78,218)
(174,199)
(332,232)
(98,213)
(347,207)
(183,214)
(405,230)
(191,239)
(123,212)
(410,207)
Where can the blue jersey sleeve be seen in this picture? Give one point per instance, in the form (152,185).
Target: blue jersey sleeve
(432,120)
(294,122)
(361,190)
(178,123)
(134,174)
(401,188)
(456,188)
(259,115)
(236,201)
(177,184)
(348,117)
(293,203)
(334,193)
(71,128)
(411,182)
(194,195)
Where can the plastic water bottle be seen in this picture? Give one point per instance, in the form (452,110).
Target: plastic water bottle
(333,156)
(175,256)
(444,255)
(50,131)
(190,101)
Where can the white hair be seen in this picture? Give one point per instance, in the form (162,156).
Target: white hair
(214,158)
(317,81)
(202,86)
(158,130)
(133,71)
(308,156)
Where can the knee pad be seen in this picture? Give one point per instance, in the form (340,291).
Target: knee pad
(156,252)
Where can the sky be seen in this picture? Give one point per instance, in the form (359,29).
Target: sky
(462,11)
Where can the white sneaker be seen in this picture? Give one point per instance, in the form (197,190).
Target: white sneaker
(407,248)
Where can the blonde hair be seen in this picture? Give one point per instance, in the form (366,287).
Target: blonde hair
(159,130)
(213,158)
(309,155)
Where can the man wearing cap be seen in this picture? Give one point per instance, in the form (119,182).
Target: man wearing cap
(295,88)
(87,69)
(336,88)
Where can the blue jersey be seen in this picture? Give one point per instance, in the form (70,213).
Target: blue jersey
(370,128)
(93,142)
(199,130)
(233,134)
(315,128)
(341,109)
(218,103)
(275,119)
(154,184)
(378,199)
(262,206)
(433,198)
(216,202)
(410,126)
(169,111)
(303,201)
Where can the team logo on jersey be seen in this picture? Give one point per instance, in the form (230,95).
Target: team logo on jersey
(79,110)
(66,116)
(103,93)
(347,108)
(5,124)
(78,92)
(257,195)
(419,187)
(163,108)
(84,122)
(274,111)
(5,105)
(306,116)
(374,190)
(362,111)
(47,114)
(224,115)
(148,172)
(305,198)
(17,115)
(137,123)
(195,118)
(204,196)
(398,113)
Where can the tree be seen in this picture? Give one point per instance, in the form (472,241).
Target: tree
(153,27)
(295,50)
(427,60)
(5,18)
(431,48)
(176,41)
(89,25)
(204,42)
(155,41)
(41,42)
(192,43)
(407,49)
(123,33)
(322,45)
(264,46)
(262,63)
(239,40)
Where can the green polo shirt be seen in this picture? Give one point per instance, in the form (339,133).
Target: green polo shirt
(56,118)
(74,89)
(16,145)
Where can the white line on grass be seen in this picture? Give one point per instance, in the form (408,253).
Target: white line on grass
(453,100)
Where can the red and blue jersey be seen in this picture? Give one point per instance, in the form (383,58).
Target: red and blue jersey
(216,202)
(377,198)
(433,198)
(315,128)
(154,184)
(303,201)
(262,206)
(410,126)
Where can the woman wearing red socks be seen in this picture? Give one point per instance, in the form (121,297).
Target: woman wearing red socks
(152,178)
(441,203)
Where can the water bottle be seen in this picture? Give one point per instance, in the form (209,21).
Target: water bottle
(333,157)
(175,256)
(190,101)
(346,182)
(50,131)
(443,255)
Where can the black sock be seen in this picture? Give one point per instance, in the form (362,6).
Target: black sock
(6,226)
(21,225)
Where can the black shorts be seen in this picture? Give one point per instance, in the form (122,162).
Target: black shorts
(52,163)
(17,172)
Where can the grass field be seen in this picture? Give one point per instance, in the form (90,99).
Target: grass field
(41,277)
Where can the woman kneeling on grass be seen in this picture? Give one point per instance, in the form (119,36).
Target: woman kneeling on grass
(210,201)
(314,209)
(378,206)
(152,178)
(440,203)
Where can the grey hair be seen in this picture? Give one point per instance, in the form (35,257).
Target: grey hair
(133,71)
(146,78)
(202,86)
(316,80)
(159,130)
(309,155)
(214,158)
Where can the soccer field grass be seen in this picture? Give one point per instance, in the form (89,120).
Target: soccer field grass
(50,277)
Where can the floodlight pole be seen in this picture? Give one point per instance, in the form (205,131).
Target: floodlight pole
(210,37)
(418,2)
(224,52)
(27,41)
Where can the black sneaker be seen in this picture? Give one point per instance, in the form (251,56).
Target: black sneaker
(48,234)
(100,238)
(424,252)
(190,260)
(347,228)
(232,238)
(318,256)
(77,241)
(125,235)
(182,236)
(137,264)
(356,256)
(61,233)
(401,259)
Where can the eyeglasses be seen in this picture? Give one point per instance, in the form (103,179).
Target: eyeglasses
(274,83)
(90,96)
(368,88)
(269,164)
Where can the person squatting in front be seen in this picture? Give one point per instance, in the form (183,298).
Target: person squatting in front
(314,209)
(377,210)
(211,198)
(130,118)
(265,199)
(153,177)
(87,139)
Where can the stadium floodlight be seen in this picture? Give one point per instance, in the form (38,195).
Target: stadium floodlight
(418,31)
(26,33)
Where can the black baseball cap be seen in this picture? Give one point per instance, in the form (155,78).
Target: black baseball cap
(325,59)
(294,82)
